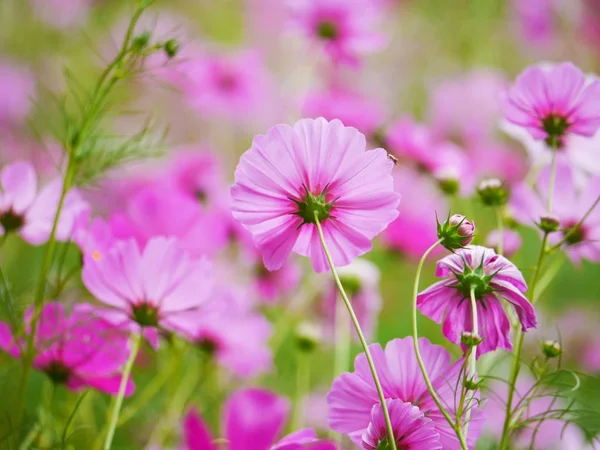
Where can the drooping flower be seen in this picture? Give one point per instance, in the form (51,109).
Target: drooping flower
(410,426)
(17,88)
(345,30)
(154,288)
(570,204)
(29,213)
(78,351)
(252,420)
(353,395)
(316,169)
(492,277)
(553,102)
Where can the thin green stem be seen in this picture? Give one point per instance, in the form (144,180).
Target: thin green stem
(430,388)
(135,348)
(500,226)
(71,417)
(471,373)
(575,228)
(342,339)
(361,337)
(302,388)
(551,181)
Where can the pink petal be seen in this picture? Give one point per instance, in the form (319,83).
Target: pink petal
(19,186)
(196,434)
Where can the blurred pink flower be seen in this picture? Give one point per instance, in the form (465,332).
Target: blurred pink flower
(345,29)
(92,236)
(361,282)
(353,395)
(511,241)
(353,109)
(252,420)
(158,287)
(536,20)
(272,286)
(314,168)
(29,213)
(411,429)
(570,204)
(415,228)
(62,13)
(17,89)
(78,351)
(552,102)
(492,276)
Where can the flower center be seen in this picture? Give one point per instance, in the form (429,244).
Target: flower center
(313,205)
(207,345)
(227,82)
(58,372)
(574,234)
(145,314)
(327,30)
(11,221)
(201,196)
(556,127)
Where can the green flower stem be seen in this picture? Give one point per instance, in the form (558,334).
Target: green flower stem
(471,373)
(342,339)
(135,348)
(552,180)
(500,225)
(302,388)
(574,229)
(456,427)
(361,337)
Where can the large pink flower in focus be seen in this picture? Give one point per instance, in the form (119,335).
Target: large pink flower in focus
(493,277)
(252,420)
(345,29)
(29,213)
(17,87)
(353,396)
(78,351)
(552,102)
(158,287)
(314,168)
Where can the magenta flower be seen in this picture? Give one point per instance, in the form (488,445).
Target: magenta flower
(345,30)
(17,88)
(493,277)
(252,420)
(78,351)
(353,396)
(29,213)
(155,288)
(552,102)
(314,168)
(414,431)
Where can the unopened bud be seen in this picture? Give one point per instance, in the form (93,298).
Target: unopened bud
(308,337)
(448,181)
(493,192)
(549,223)
(551,349)
(470,339)
(456,232)
(171,48)
(471,384)
(141,41)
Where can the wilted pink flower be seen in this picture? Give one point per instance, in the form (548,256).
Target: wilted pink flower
(346,30)
(361,282)
(314,168)
(29,213)
(511,241)
(569,204)
(252,420)
(410,426)
(156,288)
(353,395)
(79,351)
(17,88)
(491,276)
(414,231)
(552,102)
(353,109)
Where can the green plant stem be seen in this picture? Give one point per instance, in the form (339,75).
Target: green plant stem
(456,427)
(500,225)
(574,229)
(472,370)
(361,337)
(71,417)
(302,389)
(342,339)
(552,180)
(135,347)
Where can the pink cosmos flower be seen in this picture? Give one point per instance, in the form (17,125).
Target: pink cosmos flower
(314,168)
(569,205)
(353,109)
(17,87)
(29,213)
(252,420)
(361,282)
(493,277)
(155,288)
(414,231)
(552,102)
(346,30)
(273,286)
(511,241)
(92,236)
(353,397)
(80,350)
(536,20)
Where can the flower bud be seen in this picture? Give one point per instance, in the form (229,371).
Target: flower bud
(456,232)
(470,339)
(551,349)
(549,223)
(141,41)
(171,48)
(448,181)
(308,337)
(471,384)
(493,192)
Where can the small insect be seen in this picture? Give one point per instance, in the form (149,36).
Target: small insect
(393,158)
